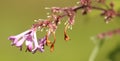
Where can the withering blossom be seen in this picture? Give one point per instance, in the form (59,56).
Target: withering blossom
(34,44)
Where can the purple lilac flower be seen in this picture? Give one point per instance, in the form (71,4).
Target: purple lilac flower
(29,37)
(40,47)
(42,42)
(15,39)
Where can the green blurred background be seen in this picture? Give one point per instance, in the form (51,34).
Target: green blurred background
(17,16)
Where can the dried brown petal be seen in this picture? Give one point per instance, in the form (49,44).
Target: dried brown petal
(52,48)
(66,37)
(111,4)
(48,42)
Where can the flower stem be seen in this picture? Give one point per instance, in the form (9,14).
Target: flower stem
(94,53)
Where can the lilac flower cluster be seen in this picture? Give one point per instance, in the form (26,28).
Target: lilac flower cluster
(30,39)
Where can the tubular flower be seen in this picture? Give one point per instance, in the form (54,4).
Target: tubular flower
(29,37)
(41,43)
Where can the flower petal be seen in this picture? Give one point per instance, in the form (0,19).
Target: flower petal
(35,42)
(42,42)
(29,45)
(20,42)
(16,38)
